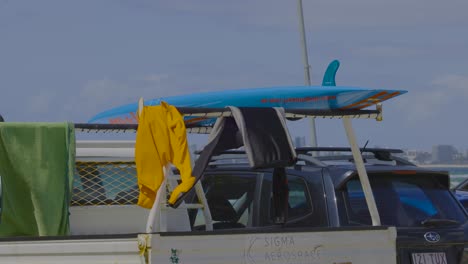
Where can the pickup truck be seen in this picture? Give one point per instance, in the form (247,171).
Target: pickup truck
(108,227)
(327,217)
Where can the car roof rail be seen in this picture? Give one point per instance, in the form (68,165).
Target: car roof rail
(382,154)
(343,149)
(306,154)
(227,157)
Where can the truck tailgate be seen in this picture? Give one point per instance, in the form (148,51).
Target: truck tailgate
(340,245)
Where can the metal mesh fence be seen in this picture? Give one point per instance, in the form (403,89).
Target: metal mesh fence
(104,183)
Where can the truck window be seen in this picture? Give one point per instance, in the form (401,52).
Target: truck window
(299,202)
(230,197)
(301,211)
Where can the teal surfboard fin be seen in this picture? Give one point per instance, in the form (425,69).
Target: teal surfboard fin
(330,73)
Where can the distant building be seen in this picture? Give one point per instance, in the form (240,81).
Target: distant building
(443,154)
(418,156)
(299,142)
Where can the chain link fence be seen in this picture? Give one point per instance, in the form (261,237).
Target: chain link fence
(104,183)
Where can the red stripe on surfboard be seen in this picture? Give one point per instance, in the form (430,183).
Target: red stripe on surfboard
(364,100)
(376,100)
(379,100)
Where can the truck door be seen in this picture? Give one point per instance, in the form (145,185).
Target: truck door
(306,202)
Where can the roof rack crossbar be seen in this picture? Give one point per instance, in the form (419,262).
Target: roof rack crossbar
(289,113)
(85,127)
(132,128)
(225,112)
(342,149)
(300,113)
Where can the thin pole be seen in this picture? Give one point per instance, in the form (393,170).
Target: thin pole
(305,59)
(366,187)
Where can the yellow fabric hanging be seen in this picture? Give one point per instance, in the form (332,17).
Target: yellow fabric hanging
(161,138)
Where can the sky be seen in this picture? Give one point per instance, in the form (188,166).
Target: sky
(66,60)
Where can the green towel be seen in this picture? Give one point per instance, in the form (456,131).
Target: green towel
(36,170)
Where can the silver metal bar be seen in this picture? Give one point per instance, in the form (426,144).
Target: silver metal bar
(155,212)
(305,59)
(305,56)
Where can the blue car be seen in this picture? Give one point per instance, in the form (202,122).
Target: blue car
(461,192)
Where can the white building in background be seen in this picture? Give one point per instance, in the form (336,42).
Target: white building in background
(412,155)
(417,156)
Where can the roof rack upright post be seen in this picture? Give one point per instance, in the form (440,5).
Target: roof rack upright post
(361,172)
(140,106)
(155,212)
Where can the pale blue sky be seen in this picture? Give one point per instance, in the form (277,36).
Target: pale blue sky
(67,60)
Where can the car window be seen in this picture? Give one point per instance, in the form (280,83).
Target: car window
(299,201)
(412,196)
(401,201)
(463,186)
(230,198)
(357,208)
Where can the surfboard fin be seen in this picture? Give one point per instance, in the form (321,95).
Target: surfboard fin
(330,73)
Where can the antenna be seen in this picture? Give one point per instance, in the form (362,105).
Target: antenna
(364,148)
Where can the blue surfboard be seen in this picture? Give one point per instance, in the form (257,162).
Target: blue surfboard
(289,97)
(325,97)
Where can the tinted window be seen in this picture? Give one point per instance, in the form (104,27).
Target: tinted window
(401,200)
(464,186)
(299,202)
(230,198)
